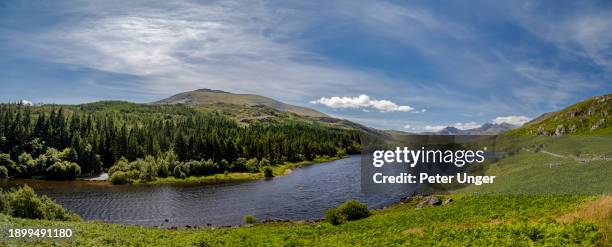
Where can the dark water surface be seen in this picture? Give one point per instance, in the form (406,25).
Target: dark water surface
(304,194)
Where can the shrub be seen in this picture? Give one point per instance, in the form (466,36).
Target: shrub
(250,219)
(268,172)
(177,172)
(341,153)
(334,217)
(119,177)
(252,165)
(5,161)
(27,163)
(264,162)
(347,211)
(354,210)
(3,172)
(24,203)
(63,170)
(239,165)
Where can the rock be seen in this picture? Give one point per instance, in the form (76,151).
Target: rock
(413,196)
(591,111)
(429,201)
(572,129)
(599,123)
(166,220)
(542,131)
(448,201)
(560,130)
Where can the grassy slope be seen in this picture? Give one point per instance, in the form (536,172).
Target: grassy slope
(476,220)
(569,165)
(583,115)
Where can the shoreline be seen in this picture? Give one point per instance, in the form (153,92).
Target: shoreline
(278,171)
(232,177)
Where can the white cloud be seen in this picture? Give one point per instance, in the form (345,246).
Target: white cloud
(26,102)
(228,45)
(407,126)
(514,120)
(362,102)
(465,126)
(434,127)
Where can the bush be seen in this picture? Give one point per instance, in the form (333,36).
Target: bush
(239,165)
(6,162)
(177,172)
(63,170)
(264,162)
(252,165)
(334,217)
(3,172)
(268,172)
(24,203)
(250,219)
(347,211)
(354,210)
(119,177)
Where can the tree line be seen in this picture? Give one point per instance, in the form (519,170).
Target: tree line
(99,135)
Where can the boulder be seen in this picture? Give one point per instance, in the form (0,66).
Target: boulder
(448,201)
(429,202)
(560,130)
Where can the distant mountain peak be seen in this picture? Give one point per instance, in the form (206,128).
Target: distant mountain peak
(212,98)
(485,129)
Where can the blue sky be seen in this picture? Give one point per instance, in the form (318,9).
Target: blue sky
(413,66)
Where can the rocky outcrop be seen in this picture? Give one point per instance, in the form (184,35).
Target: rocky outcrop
(431,201)
(560,130)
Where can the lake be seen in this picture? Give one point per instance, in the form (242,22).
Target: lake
(301,195)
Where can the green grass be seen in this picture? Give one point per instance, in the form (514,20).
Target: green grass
(470,220)
(568,165)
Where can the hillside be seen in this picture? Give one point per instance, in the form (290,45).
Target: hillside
(221,99)
(249,108)
(590,117)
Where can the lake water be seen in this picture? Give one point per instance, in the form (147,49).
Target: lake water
(303,194)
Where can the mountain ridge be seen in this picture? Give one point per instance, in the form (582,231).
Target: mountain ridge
(211,97)
(485,129)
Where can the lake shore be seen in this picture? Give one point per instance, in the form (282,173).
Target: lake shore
(278,170)
(480,220)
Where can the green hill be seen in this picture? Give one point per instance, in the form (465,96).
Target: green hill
(590,117)
(221,99)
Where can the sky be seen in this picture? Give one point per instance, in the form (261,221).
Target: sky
(413,66)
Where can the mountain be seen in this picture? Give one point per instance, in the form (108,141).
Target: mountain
(220,99)
(589,117)
(250,108)
(485,129)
